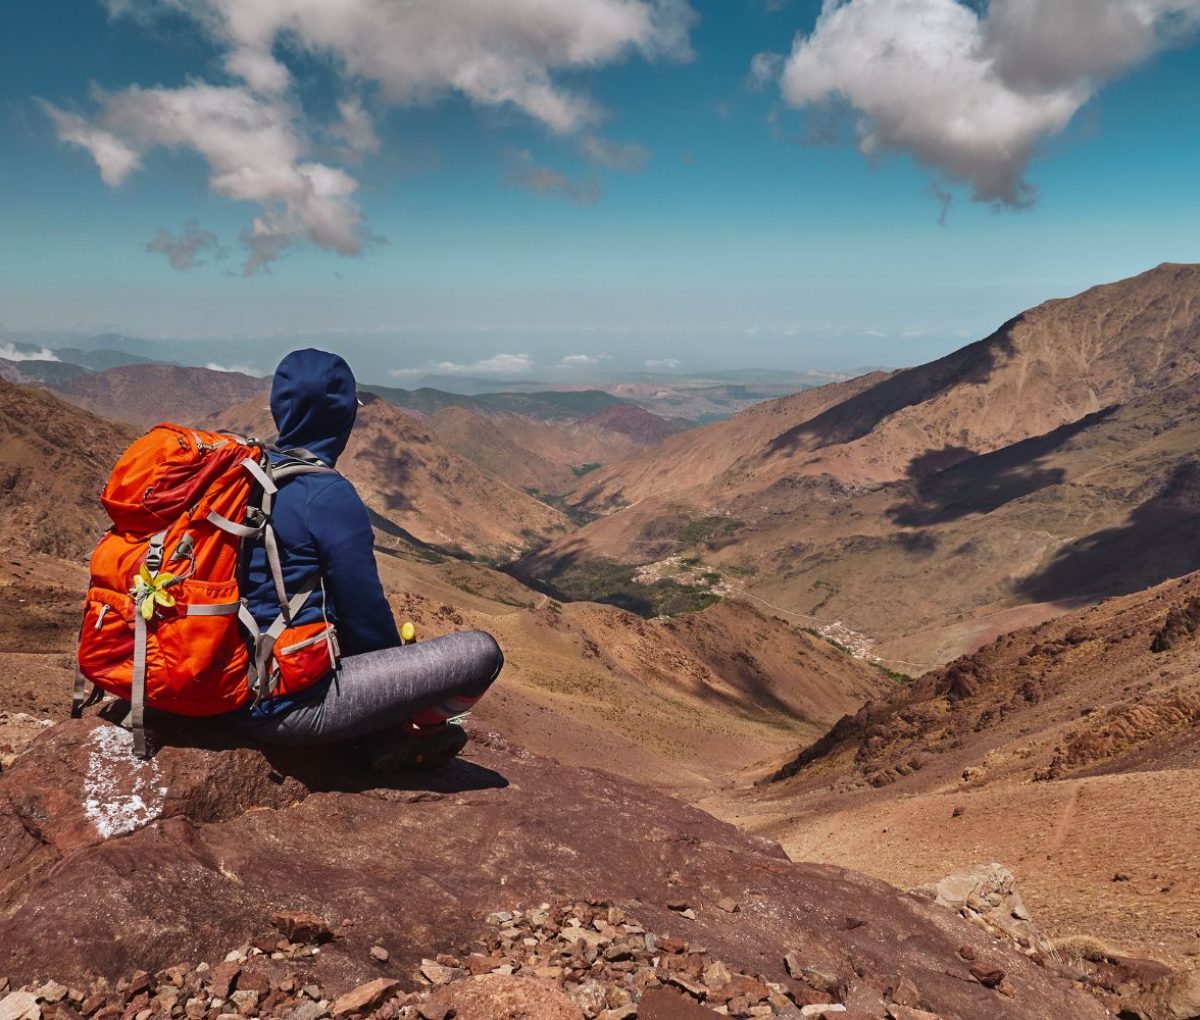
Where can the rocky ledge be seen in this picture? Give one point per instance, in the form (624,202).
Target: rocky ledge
(496,878)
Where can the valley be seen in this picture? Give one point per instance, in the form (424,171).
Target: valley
(1037,470)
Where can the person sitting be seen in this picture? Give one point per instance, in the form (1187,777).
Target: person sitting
(399,697)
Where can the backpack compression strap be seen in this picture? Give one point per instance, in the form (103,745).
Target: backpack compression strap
(259,677)
(137,694)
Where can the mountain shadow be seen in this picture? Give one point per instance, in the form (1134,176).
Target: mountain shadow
(1160,540)
(979,484)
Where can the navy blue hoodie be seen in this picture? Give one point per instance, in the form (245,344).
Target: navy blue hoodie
(320,521)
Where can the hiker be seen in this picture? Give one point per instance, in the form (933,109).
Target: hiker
(398,696)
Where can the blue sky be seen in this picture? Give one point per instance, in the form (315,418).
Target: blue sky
(743,225)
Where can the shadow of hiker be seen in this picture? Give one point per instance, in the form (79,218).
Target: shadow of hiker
(458,775)
(327,768)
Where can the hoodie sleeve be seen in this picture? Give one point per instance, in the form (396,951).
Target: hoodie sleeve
(341,529)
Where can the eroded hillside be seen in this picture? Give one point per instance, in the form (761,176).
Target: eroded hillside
(1069,751)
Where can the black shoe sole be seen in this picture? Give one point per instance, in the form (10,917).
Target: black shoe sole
(419,751)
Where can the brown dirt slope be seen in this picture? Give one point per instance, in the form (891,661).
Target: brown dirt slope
(688,465)
(640,425)
(54,460)
(526,452)
(1103,506)
(418,489)
(1057,750)
(226,839)
(146,394)
(684,704)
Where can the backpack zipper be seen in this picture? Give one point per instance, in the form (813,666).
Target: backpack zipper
(321,636)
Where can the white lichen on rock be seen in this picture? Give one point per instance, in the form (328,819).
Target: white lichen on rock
(121,793)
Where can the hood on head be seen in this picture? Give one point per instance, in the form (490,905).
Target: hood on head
(314,401)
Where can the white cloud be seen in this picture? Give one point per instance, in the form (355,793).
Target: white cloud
(10,352)
(254,147)
(1038,46)
(497,364)
(255,136)
(492,53)
(671,363)
(212,366)
(183,250)
(583,360)
(355,129)
(971,95)
(764,69)
(114,159)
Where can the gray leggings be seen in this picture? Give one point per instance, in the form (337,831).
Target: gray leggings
(433,679)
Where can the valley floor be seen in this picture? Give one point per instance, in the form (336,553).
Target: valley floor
(1110,857)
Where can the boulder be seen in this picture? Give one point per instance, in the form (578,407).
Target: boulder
(989,891)
(108,864)
(20,1006)
(501,997)
(364,998)
(17,731)
(1174,998)
(1181,996)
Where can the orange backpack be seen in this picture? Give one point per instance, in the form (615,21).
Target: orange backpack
(165,624)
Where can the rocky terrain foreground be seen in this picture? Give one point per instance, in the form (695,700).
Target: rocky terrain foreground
(216,881)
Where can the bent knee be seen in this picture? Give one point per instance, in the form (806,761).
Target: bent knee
(486,651)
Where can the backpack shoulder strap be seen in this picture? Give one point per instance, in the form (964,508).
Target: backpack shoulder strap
(290,469)
(298,461)
(270,476)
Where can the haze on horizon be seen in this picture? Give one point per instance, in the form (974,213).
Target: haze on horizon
(600,186)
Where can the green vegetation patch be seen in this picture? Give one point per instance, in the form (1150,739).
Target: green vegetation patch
(709,531)
(607,581)
(830,589)
(894,675)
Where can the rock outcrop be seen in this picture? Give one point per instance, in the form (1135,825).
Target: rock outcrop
(110,866)
(989,895)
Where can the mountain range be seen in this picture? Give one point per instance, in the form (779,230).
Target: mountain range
(1050,460)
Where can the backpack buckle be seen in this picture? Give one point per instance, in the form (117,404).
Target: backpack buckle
(154,553)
